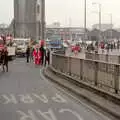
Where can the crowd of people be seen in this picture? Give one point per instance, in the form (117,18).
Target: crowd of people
(108,46)
(39,55)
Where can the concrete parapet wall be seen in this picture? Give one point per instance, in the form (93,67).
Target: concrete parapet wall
(103,57)
(101,74)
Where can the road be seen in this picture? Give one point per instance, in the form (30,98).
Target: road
(26,95)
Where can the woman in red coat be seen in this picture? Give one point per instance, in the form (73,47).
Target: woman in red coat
(35,56)
(39,57)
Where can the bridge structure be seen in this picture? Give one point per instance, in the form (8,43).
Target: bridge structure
(28,18)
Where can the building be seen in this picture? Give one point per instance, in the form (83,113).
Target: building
(103,26)
(66,33)
(26,18)
(77,33)
(54,25)
(4,29)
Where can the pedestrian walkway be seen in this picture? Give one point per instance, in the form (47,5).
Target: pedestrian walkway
(26,95)
(82,54)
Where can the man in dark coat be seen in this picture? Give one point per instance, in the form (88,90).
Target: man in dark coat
(42,50)
(5,58)
(28,54)
(47,56)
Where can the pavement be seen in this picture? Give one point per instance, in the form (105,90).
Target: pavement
(82,53)
(25,94)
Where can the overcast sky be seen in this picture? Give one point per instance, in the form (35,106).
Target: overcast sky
(63,10)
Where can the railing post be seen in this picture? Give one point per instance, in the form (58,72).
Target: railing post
(107,57)
(69,65)
(116,78)
(81,69)
(118,59)
(96,73)
(96,56)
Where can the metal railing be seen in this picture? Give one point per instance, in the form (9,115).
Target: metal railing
(103,57)
(97,73)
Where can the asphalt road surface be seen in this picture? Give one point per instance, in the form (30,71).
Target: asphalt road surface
(26,95)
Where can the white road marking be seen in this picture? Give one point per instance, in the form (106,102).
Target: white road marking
(10,99)
(59,99)
(26,99)
(41,97)
(29,116)
(84,104)
(71,111)
(76,99)
(48,115)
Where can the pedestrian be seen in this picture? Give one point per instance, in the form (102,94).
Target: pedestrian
(31,56)
(5,59)
(118,45)
(39,57)
(1,60)
(47,57)
(28,54)
(111,47)
(96,49)
(114,45)
(42,54)
(35,56)
(107,47)
(102,47)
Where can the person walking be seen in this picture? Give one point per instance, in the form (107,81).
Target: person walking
(47,57)
(1,60)
(35,56)
(28,54)
(111,47)
(31,56)
(39,57)
(42,50)
(5,59)
(102,47)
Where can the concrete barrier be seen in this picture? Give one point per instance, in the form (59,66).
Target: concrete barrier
(103,57)
(98,73)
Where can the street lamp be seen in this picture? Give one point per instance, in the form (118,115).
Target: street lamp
(99,18)
(110,15)
(111,24)
(43,19)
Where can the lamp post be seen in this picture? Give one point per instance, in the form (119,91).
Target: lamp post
(99,18)
(111,24)
(110,15)
(85,18)
(14,28)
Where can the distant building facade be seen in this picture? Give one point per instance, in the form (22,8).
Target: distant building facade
(66,33)
(54,25)
(103,26)
(77,33)
(4,29)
